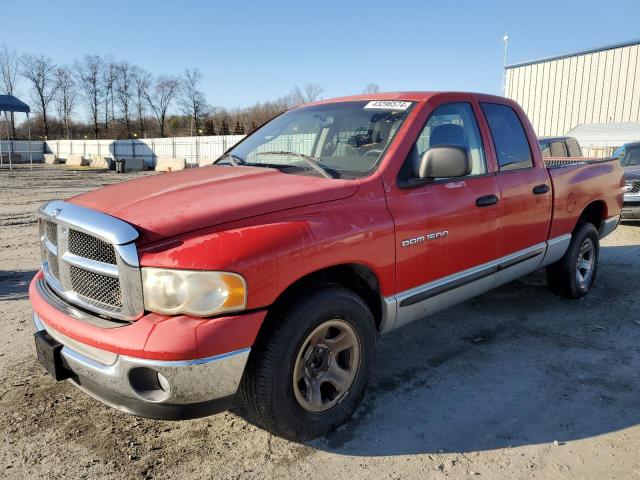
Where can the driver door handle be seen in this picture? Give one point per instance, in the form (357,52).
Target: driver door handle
(540,189)
(486,200)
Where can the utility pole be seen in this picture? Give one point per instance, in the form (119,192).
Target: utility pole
(505,39)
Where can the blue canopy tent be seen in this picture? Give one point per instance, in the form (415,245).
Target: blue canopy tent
(10,104)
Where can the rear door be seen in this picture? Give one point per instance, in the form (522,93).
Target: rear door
(525,186)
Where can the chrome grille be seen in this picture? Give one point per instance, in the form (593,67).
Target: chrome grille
(90,260)
(635,187)
(90,247)
(94,287)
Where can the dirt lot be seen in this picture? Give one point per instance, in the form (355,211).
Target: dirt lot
(514,384)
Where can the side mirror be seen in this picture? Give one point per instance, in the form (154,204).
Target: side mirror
(445,161)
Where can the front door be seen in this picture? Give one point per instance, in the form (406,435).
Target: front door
(447,228)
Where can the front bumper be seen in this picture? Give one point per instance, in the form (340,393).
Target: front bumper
(631,207)
(153,388)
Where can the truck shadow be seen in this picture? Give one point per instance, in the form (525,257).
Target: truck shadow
(14,284)
(516,366)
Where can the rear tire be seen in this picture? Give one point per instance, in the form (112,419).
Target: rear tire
(573,275)
(308,372)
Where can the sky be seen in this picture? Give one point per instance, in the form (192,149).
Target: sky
(256,51)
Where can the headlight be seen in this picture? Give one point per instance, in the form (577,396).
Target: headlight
(192,292)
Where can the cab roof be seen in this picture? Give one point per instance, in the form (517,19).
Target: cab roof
(413,96)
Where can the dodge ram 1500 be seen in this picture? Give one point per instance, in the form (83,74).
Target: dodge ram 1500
(268,276)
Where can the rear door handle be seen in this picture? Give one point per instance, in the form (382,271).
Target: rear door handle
(487,200)
(540,189)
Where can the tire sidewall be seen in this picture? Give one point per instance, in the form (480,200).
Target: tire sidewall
(585,231)
(286,410)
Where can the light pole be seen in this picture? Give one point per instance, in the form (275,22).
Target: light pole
(505,39)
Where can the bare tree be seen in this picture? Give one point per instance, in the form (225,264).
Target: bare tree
(371,88)
(192,100)
(124,86)
(161,96)
(40,71)
(89,74)
(9,68)
(109,82)
(65,98)
(309,93)
(142,83)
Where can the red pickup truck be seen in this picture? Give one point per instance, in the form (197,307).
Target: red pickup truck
(269,275)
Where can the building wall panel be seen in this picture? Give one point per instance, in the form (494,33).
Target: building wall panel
(561,93)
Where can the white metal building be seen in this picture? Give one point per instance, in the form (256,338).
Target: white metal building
(601,86)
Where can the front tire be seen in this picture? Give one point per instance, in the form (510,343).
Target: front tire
(573,275)
(308,373)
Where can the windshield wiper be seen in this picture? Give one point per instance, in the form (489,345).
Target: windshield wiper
(234,160)
(308,159)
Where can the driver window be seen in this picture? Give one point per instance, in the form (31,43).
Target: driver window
(453,124)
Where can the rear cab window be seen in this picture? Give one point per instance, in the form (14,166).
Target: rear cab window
(574,148)
(557,149)
(509,138)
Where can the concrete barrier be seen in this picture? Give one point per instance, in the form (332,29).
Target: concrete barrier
(51,159)
(163,164)
(207,161)
(75,161)
(99,161)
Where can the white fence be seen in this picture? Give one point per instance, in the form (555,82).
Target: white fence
(193,149)
(21,151)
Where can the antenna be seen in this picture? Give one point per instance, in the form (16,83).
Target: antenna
(505,40)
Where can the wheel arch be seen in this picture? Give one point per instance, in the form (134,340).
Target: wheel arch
(594,213)
(357,277)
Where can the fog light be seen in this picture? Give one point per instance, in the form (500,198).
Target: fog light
(149,384)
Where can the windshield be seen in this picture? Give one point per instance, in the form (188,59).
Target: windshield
(629,156)
(336,140)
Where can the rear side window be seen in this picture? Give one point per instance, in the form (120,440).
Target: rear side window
(509,138)
(557,149)
(545,149)
(574,148)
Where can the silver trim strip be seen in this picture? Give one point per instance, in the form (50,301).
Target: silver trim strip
(556,248)
(480,279)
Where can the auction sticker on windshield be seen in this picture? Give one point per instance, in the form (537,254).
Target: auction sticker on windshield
(387,105)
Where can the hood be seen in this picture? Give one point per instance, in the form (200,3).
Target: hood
(166,205)
(632,172)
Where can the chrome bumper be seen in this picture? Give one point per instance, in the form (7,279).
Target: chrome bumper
(609,225)
(153,388)
(631,208)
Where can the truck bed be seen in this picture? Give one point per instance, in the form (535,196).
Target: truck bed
(576,182)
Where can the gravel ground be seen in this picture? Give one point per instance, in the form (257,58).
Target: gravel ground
(514,384)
